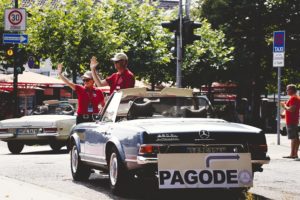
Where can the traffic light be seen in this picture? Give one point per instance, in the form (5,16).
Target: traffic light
(172,26)
(20,60)
(10,52)
(188,35)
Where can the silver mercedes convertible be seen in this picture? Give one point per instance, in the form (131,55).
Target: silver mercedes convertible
(170,136)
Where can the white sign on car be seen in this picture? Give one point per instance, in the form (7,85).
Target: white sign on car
(205,170)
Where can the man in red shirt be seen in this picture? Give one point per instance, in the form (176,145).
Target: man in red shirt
(121,79)
(291,108)
(89,97)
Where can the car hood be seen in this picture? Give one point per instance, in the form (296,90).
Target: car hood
(177,125)
(34,121)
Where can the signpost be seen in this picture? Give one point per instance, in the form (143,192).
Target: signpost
(15,38)
(278,61)
(15,19)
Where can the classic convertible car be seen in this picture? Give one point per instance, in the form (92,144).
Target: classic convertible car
(50,123)
(167,135)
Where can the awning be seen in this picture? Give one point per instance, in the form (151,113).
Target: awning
(30,79)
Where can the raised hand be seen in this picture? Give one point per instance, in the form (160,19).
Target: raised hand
(59,68)
(93,63)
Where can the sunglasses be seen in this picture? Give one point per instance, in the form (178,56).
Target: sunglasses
(86,80)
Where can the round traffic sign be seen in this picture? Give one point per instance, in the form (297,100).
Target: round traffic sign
(15,17)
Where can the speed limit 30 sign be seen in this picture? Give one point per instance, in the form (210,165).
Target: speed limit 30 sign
(15,19)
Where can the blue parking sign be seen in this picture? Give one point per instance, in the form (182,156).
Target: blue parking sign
(279,41)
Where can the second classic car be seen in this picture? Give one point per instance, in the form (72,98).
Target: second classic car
(167,135)
(50,124)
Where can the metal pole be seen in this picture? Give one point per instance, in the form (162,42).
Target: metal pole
(179,48)
(15,81)
(187,8)
(278,106)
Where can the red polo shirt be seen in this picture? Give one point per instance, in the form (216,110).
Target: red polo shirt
(121,81)
(292,118)
(86,96)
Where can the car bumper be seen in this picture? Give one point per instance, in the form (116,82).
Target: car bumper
(141,160)
(47,135)
(7,135)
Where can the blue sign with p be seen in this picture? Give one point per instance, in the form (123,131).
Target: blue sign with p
(279,41)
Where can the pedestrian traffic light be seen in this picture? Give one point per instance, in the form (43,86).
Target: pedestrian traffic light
(188,35)
(20,60)
(172,26)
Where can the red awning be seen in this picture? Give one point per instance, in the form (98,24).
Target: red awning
(29,79)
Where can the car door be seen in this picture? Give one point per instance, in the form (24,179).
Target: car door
(99,133)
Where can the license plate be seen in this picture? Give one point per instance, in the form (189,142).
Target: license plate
(28,131)
(204,170)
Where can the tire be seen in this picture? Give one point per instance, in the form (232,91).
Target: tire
(80,172)
(56,146)
(15,147)
(118,175)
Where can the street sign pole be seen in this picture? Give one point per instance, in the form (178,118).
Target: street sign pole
(179,48)
(278,105)
(278,61)
(15,82)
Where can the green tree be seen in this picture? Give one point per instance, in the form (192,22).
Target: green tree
(72,33)
(249,26)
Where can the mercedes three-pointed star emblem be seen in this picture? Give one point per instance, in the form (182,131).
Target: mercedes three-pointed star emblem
(203,134)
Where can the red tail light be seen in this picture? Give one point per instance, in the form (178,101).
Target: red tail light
(259,147)
(50,130)
(149,149)
(4,130)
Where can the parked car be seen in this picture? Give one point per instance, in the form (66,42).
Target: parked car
(50,123)
(167,135)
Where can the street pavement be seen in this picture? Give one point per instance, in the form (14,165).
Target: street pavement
(39,174)
(281,178)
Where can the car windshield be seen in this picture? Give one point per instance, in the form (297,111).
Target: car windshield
(157,107)
(62,108)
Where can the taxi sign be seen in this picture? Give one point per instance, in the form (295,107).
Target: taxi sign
(278,48)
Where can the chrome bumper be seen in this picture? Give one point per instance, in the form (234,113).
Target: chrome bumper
(47,134)
(141,160)
(145,160)
(6,135)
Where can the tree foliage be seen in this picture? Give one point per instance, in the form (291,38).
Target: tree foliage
(249,26)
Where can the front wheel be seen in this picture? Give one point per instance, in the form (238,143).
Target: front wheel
(80,172)
(15,147)
(118,175)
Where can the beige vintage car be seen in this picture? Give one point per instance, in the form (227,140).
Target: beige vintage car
(48,124)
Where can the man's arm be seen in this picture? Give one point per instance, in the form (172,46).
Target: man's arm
(63,78)
(291,108)
(96,78)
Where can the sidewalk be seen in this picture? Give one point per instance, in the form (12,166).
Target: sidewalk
(278,151)
(280,179)
(12,189)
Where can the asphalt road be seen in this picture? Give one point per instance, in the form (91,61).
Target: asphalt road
(37,173)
